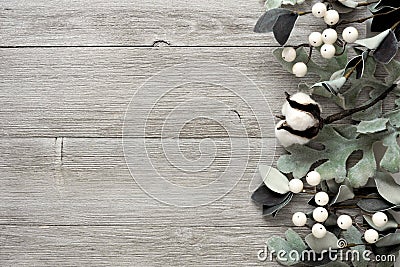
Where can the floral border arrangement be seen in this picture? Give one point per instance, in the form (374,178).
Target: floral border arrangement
(355,196)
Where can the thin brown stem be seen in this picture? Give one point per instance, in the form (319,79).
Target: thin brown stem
(302,13)
(367,18)
(345,113)
(366,3)
(348,74)
(309,55)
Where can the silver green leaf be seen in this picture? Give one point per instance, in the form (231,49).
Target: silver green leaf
(344,193)
(335,165)
(391,224)
(289,2)
(320,244)
(389,240)
(332,86)
(372,126)
(349,3)
(270,4)
(274,179)
(373,42)
(391,158)
(387,187)
(353,236)
(293,243)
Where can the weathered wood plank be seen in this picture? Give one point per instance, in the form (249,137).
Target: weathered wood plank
(85,92)
(137,22)
(132,245)
(90,184)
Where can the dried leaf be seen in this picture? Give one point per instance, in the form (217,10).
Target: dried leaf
(387,49)
(266,22)
(265,196)
(284,26)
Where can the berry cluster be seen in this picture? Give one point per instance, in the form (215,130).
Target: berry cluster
(321,214)
(325,41)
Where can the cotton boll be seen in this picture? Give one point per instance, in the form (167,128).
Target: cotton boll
(286,138)
(299,119)
(285,107)
(302,98)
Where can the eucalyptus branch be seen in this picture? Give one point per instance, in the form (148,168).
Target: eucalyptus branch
(345,113)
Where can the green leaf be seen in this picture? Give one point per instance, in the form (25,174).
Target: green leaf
(389,240)
(349,3)
(394,117)
(353,236)
(295,240)
(333,86)
(391,224)
(387,187)
(344,193)
(393,71)
(320,244)
(391,158)
(371,113)
(289,2)
(267,21)
(335,163)
(358,174)
(374,204)
(372,126)
(373,42)
(273,210)
(293,243)
(270,4)
(274,179)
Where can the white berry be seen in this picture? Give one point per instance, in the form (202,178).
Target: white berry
(315,39)
(344,222)
(289,54)
(319,10)
(320,214)
(318,230)
(350,34)
(299,2)
(329,36)
(379,219)
(321,198)
(295,185)
(313,178)
(331,17)
(328,51)
(371,236)
(299,69)
(299,219)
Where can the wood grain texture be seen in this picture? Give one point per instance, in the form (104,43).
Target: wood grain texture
(88,183)
(85,92)
(137,23)
(131,245)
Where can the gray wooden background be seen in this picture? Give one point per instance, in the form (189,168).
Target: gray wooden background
(68,69)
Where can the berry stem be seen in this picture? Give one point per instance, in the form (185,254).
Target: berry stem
(367,18)
(366,3)
(302,13)
(345,113)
